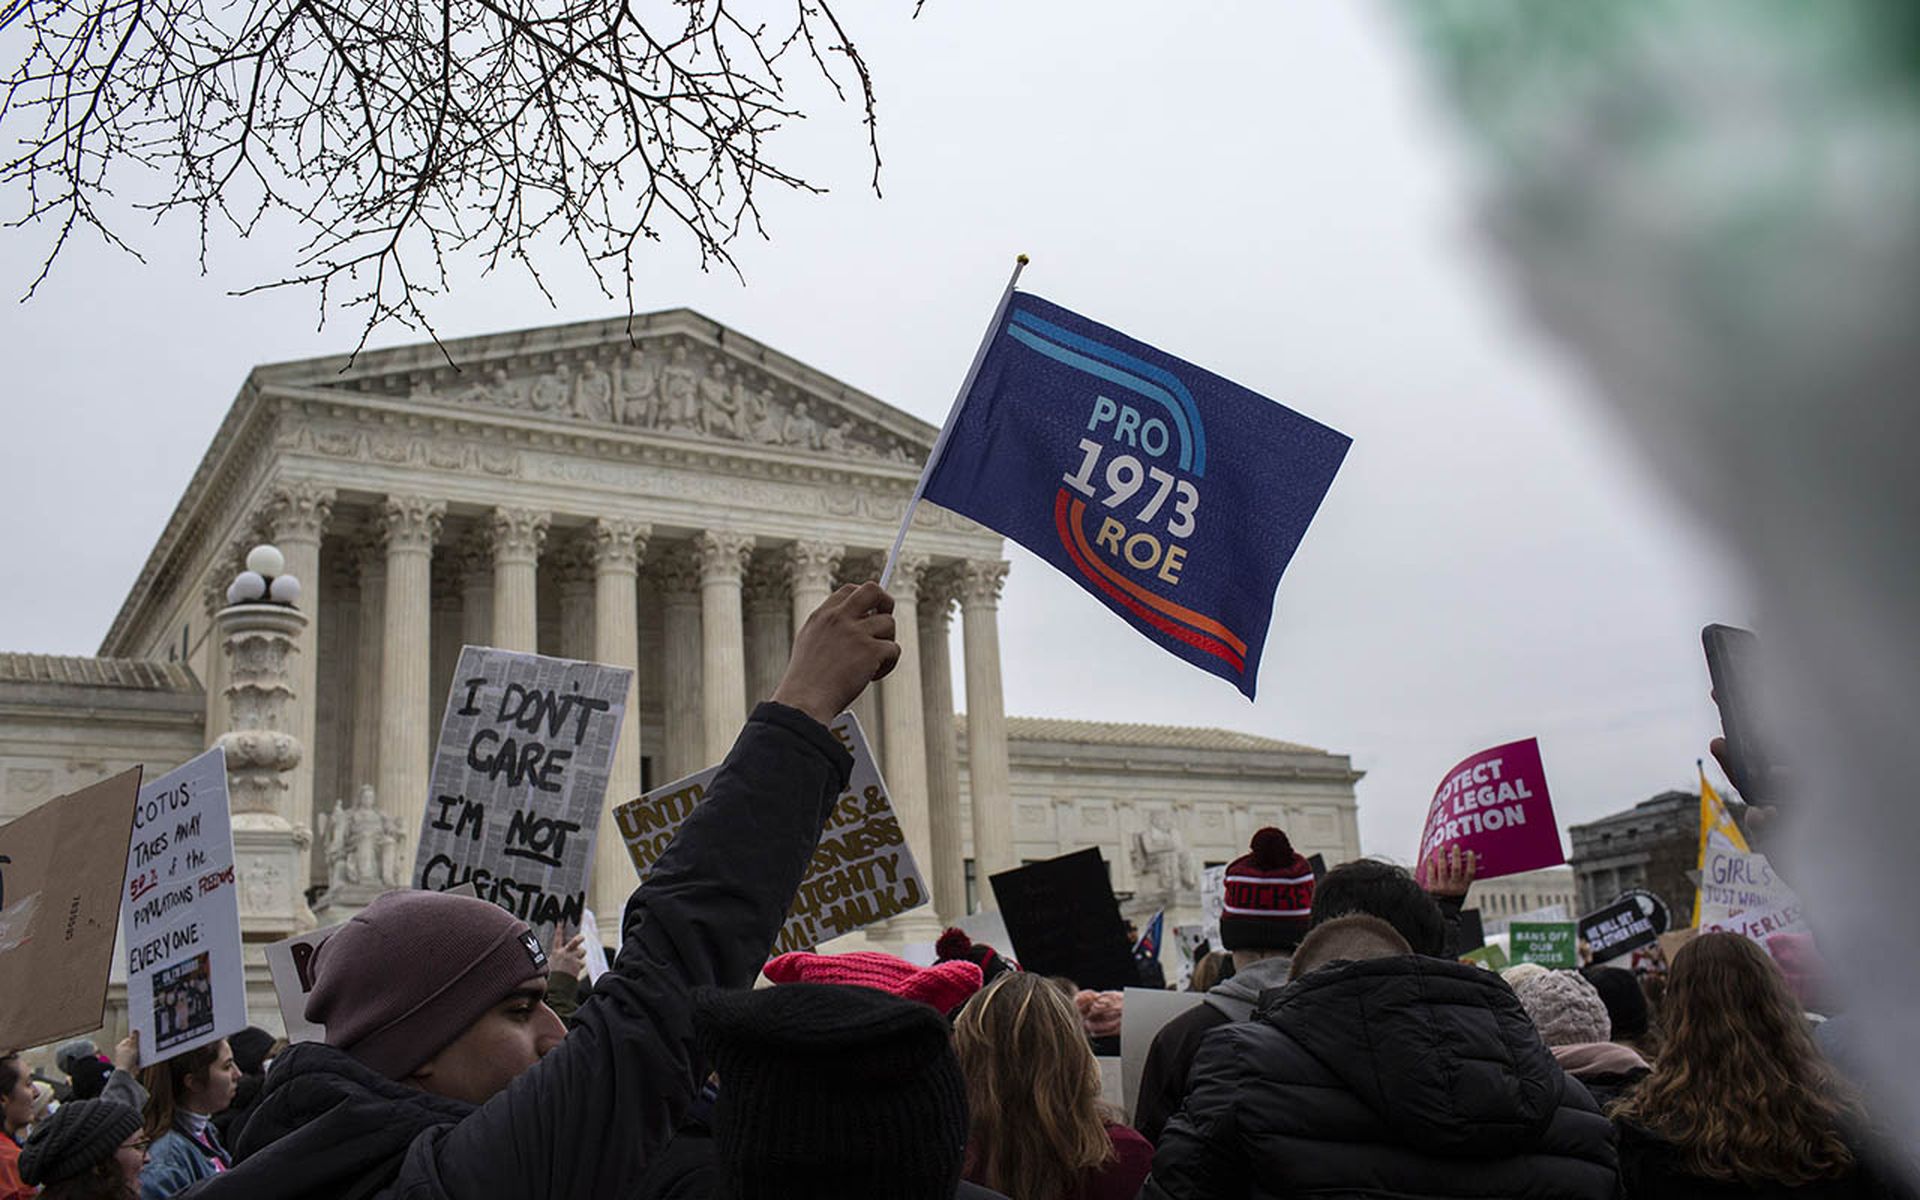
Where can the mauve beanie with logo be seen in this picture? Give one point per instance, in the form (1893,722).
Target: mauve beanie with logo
(832,1091)
(396,984)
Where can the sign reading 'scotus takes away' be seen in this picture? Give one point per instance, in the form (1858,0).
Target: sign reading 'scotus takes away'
(862,871)
(519,778)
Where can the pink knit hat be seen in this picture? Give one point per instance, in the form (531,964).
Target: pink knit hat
(945,986)
(398,983)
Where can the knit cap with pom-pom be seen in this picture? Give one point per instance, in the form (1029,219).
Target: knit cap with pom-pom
(955,946)
(1269,896)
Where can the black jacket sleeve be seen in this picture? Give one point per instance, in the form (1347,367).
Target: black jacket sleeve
(1163,1077)
(583,1124)
(1199,1155)
(1450,907)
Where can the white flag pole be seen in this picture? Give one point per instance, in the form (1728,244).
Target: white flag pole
(946,430)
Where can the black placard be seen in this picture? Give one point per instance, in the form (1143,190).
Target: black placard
(1063,920)
(1619,928)
(1473,932)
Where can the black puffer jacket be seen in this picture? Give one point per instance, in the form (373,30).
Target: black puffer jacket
(584,1122)
(1402,1077)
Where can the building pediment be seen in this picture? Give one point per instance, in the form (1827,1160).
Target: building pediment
(674,373)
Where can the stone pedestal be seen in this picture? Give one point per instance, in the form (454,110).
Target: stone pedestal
(261,642)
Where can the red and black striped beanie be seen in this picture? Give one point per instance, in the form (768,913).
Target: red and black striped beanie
(1269,896)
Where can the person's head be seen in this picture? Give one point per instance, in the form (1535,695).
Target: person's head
(87,1150)
(445,993)
(1033,1088)
(954,946)
(1379,889)
(1214,968)
(1626,1004)
(944,986)
(89,1078)
(1733,1032)
(72,1054)
(1269,894)
(16,1094)
(1565,1008)
(1355,938)
(830,1091)
(200,1081)
(251,1046)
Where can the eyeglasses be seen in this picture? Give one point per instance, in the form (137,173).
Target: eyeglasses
(143,1145)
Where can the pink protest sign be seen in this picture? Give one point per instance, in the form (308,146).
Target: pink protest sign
(1496,805)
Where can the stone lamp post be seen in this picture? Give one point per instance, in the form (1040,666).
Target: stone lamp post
(259,632)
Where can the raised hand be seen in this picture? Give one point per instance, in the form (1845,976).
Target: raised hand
(846,644)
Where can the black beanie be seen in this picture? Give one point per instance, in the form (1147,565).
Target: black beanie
(832,1091)
(1268,895)
(78,1137)
(1626,1004)
(250,1049)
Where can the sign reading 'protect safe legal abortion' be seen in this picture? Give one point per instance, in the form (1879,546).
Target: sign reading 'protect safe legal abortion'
(862,870)
(519,777)
(1494,804)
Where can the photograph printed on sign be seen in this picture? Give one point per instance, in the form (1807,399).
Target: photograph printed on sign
(519,778)
(186,982)
(862,870)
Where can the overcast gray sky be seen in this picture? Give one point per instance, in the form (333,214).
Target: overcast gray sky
(1268,190)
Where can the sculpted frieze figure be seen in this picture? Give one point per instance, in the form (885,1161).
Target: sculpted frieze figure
(719,405)
(550,391)
(639,392)
(679,391)
(362,844)
(799,429)
(593,394)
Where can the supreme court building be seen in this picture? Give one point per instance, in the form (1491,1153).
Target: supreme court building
(663,494)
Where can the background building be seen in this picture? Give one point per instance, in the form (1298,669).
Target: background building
(1651,845)
(1501,900)
(664,494)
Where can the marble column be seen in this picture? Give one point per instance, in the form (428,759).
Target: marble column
(987,773)
(214,678)
(370,565)
(723,661)
(811,569)
(474,559)
(769,627)
(574,572)
(938,590)
(677,574)
(867,706)
(618,546)
(904,716)
(518,534)
(297,514)
(411,525)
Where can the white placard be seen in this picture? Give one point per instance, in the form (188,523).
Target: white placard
(186,984)
(596,952)
(291,964)
(862,871)
(1144,1013)
(519,780)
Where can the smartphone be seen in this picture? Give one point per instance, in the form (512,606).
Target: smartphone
(1733,663)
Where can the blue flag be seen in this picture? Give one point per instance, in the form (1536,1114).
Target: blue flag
(1174,496)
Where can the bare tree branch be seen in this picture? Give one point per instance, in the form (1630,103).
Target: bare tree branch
(399,134)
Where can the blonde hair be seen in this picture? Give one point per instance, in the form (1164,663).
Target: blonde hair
(1033,1090)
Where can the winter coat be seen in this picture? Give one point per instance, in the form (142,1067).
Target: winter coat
(1163,1077)
(176,1161)
(1651,1169)
(11,1186)
(584,1122)
(1120,1178)
(1402,1077)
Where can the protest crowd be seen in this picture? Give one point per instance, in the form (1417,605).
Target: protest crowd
(1337,1044)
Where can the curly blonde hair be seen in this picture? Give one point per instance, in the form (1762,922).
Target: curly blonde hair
(1033,1090)
(1739,1089)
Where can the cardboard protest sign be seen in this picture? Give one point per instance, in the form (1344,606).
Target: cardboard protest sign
(1146,1012)
(1064,920)
(862,871)
(186,983)
(1549,943)
(1759,924)
(1651,906)
(1496,805)
(61,869)
(1734,880)
(1619,928)
(1491,956)
(291,964)
(519,778)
